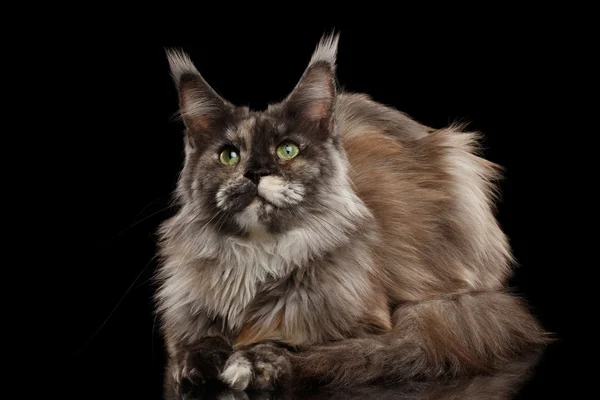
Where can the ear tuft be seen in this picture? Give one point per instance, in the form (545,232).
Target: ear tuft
(200,106)
(180,65)
(326,50)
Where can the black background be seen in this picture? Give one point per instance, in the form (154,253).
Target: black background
(499,71)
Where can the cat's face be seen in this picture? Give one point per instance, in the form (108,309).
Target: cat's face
(260,170)
(251,171)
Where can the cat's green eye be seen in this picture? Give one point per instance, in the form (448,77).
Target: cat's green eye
(230,156)
(287,151)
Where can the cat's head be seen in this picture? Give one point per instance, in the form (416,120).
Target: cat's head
(269,169)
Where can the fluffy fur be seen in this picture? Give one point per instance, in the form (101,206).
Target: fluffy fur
(373,257)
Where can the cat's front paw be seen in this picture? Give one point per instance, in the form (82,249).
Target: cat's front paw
(238,371)
(262,367)
(197,369)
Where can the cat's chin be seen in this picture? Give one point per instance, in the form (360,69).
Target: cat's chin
(256,215)
(267,205)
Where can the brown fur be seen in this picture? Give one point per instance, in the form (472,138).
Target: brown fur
(390,269)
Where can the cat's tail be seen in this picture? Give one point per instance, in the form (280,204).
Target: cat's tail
(451,337)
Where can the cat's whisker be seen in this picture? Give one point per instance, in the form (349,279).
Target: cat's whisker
(131,286)
(342,231)
(136,223)
(221,221)
(313,228)
(208,222)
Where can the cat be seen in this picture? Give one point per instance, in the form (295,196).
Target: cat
(331,240)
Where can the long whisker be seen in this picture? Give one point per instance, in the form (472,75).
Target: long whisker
(223,219)
(134,224)
(208,222)
(91,338)
(310,223)
(328,223)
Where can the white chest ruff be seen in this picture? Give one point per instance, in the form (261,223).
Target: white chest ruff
(243,266)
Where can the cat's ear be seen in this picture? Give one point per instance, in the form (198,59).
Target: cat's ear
(201,108)
(313,98)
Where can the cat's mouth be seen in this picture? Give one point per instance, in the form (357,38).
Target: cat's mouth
(265,201)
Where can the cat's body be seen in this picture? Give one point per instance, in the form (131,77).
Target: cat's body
(371,256)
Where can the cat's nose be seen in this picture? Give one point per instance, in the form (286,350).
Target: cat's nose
(255,174)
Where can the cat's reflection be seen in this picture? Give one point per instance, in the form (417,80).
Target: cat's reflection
(497,386)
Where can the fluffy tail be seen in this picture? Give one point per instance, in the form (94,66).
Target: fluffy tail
(452,337)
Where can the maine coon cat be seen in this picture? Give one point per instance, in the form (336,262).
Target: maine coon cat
(333,240)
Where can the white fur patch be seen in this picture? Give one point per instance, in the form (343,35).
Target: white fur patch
(221,197)
(279,192)
(237,372)
(249,218)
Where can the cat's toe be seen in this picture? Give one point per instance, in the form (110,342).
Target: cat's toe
(268,374)
(237,372)
(265,374)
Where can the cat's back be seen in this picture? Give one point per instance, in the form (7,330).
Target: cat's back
(358,113)
(390,153)
(431,195)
